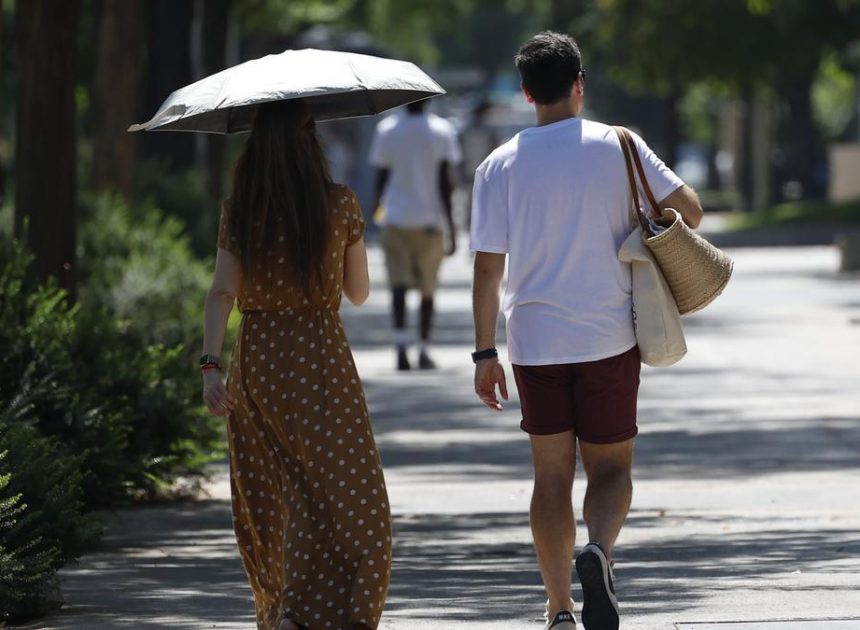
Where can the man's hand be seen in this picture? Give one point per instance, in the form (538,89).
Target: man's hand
(452,244)
(488,374)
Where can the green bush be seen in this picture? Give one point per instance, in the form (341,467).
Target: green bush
(797,212)
(21,571)
(153,390)
(121,388)
(141,301)
(138,264)
(43,520)
(38,331)
(100,401)
(180,193)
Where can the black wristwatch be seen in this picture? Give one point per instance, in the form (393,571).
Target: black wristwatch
(489,353)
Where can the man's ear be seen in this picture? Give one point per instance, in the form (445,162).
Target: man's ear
(579,86)
(528,96)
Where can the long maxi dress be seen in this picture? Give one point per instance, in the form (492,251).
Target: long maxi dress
(310,508)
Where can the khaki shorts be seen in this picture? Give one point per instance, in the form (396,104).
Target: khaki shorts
(413,257)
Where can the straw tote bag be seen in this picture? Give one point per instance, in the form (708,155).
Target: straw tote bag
(696,271)
(656,320)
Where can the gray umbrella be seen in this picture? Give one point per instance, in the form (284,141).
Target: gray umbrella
(335,85)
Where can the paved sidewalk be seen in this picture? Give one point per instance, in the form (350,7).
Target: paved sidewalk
(747,480)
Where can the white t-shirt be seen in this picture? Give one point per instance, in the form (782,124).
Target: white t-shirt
(556,199)
(412,146)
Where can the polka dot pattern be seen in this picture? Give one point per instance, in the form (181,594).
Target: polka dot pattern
(274,287)
(310,508)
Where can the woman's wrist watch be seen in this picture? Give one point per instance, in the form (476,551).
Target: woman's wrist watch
(210,362)
(489,353)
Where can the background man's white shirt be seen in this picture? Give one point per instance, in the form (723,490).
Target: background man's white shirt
(556,199)
(412,146)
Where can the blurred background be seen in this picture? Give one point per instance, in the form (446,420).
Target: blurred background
(107,238)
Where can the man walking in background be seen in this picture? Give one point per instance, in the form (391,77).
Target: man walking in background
(555,198)
(413,152)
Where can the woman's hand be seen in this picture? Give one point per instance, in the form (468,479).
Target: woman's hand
(215,395)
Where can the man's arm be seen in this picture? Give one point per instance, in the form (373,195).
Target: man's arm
(489,270)
(686,202)
(382,175)
(446,189)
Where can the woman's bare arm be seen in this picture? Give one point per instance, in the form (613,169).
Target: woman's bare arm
(219,302)
(356,281)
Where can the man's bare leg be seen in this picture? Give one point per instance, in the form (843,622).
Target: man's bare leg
(553,525)
(610,489)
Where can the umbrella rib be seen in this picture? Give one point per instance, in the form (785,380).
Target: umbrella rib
(363,86)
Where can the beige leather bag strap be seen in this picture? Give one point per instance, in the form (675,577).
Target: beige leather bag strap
(631,147)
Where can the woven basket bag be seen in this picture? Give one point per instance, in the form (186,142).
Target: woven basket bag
(695,270)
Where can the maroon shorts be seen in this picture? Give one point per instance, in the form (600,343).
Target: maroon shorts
(595,399)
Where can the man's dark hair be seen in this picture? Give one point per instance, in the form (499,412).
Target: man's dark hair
(549,64)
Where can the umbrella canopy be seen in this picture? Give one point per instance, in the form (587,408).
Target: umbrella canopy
(334,84)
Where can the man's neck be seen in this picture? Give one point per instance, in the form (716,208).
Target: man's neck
(556,112)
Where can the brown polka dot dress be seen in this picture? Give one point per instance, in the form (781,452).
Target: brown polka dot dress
(310,509)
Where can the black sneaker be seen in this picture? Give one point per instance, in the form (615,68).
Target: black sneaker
(563,620)
(403,360)
(425,362)
(599,605)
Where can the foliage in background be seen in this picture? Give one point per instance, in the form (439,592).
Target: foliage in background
(668,44)
(99,402)
(834,98)
(142,304)
(179,193)
(38,330)
(700,110)
(23,574)
(802,212)
(409,28)
(46,524)
(287,16)
(137,262)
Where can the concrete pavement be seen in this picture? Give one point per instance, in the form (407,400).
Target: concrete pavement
(747,479)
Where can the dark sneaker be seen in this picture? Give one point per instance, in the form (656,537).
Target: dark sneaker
(563,620)
(599,606)
(403,360)
(425,362)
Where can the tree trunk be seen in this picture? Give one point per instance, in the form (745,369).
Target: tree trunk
(802,148)
(45,141)
(115,95)
(673,133)
(216,19)
(743,157)
(168,68)
(2,118)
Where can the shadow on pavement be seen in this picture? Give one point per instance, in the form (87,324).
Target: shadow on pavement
(469,567)
(160,566)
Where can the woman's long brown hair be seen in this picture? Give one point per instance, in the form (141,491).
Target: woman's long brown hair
(280,192)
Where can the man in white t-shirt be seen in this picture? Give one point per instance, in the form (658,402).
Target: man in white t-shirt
(555,199)
(413,152)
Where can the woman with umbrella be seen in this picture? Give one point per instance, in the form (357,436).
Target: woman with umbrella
(310,508)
